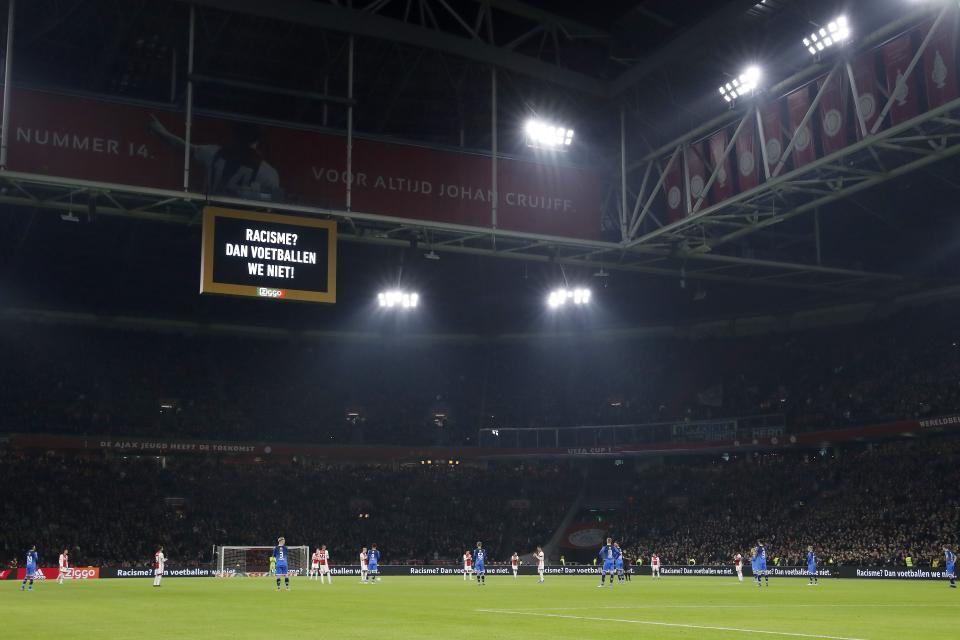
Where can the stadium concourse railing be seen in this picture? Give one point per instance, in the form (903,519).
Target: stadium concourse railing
(667,571)
(774,439)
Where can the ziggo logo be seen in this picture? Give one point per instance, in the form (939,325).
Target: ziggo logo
(80,574)
(266,292)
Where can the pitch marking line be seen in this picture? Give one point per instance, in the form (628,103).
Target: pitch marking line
(735,606)
(670,624)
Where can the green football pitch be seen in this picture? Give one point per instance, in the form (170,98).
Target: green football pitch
(447,607)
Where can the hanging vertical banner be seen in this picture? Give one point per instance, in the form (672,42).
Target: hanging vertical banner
(940,65)
(748,165)
(896,58)
(673,188)
(723,185)
(772,133)
(833,114)
(864,69)
(698,171)
(798,103)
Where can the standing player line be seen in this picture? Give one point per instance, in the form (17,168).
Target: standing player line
(159,560)
(755,565)
(479,563)
(951,559)
(609,554)
(325,564)
(618,563)
(467,566)
(280,553)
(762,562)
(64,564)
(373,560)
(314,565)
(812,566)
(32,563)
(540,562)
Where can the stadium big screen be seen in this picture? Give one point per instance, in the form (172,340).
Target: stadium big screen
(266,255)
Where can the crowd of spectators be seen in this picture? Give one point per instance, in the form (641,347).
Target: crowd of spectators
(870,505)
(106,381)
(116,511)
(861,504)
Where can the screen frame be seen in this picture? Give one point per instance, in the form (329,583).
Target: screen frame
(209,285)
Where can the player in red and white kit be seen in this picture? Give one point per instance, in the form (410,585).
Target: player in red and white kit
(325,564)
(467,565)
(363,565)
(515,563)
(64,565)
(541,558)
(738,564)
(655,565)
(314,565)
(158,562)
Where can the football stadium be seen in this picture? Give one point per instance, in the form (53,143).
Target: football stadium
(479,319)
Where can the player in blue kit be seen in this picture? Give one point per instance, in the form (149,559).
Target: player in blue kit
(755,565)
(812,566)
(32,563)
(951,572)
(280,555)
(609,554)
(373,559)
(479,564)
(762,562)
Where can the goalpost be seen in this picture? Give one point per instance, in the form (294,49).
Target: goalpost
(255,561)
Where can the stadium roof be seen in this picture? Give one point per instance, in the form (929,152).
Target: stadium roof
(422,74)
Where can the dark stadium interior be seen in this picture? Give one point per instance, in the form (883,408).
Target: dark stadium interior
(798,383)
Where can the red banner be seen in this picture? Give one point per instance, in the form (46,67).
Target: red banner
(723,184)
(673,188)
(748,158)
(772,133)
(697,172)
(798,103)
(940,65)
(869,100)
(896,58)
(92,139)
(833,114)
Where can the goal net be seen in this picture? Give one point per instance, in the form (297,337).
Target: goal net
(255,561)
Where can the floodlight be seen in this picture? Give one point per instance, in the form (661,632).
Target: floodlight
(743,84)
(836,31)
(560,297)
(545,135)
(396,298)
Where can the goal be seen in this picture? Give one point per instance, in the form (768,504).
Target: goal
(255,561)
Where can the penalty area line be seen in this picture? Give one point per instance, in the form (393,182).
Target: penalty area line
(678,625)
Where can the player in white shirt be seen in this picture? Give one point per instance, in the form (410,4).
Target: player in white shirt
(314,565)
(467,566)
(655,565)
(540,560)
(738,564)
(158,562)
(325,564)
(64,565)
(515,563)
(363,565)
